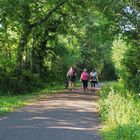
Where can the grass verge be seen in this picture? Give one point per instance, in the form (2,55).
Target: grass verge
(120,113)
(10,102)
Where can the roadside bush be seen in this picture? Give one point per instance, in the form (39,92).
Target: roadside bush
(131,70)
(108,72)
(27,83)
(120,113)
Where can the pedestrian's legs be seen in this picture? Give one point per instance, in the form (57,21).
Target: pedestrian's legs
(91,85)
(83,84)
(86,84)
(70,84)
(94,82)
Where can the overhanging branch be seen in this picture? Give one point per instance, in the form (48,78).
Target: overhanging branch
(48,15)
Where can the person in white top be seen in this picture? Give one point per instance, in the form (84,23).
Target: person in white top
(93,79)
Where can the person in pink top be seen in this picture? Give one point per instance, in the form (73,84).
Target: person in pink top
(84,78)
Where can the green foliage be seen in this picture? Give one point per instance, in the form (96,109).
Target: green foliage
(118,50)
(13,85)
(10,102)
(108,72)
(126,60)
(120,111)
(131,71)
(123,132)
(36,36)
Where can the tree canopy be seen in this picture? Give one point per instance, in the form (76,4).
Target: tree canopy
(40,39)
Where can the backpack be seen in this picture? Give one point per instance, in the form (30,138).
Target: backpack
(84,76)
(71,73)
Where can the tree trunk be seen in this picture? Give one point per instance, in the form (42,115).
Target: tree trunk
(32,57)
(22,48)
(42,53)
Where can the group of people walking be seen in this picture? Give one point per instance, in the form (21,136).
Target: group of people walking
(85,77)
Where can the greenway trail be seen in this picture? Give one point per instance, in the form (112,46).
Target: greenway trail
(62,116)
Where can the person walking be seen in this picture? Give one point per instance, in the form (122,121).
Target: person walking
(84,78)
(71,74)
(93,79)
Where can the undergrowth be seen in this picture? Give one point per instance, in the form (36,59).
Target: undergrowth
(120,113)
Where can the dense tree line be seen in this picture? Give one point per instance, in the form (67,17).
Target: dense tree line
(39,40)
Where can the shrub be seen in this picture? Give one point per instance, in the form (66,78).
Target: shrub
(27,83)
(120,113)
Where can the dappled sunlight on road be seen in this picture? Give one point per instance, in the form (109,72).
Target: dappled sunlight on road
(73,115)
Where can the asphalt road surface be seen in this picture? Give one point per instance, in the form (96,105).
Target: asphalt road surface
(62,116)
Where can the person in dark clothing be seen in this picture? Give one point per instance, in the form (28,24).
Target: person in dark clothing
(71,74)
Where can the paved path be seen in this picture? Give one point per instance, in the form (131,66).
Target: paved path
(63,116)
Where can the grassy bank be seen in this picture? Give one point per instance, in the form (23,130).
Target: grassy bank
(120,113)
(10,102)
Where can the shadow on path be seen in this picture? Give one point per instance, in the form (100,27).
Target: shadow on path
(60,117)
